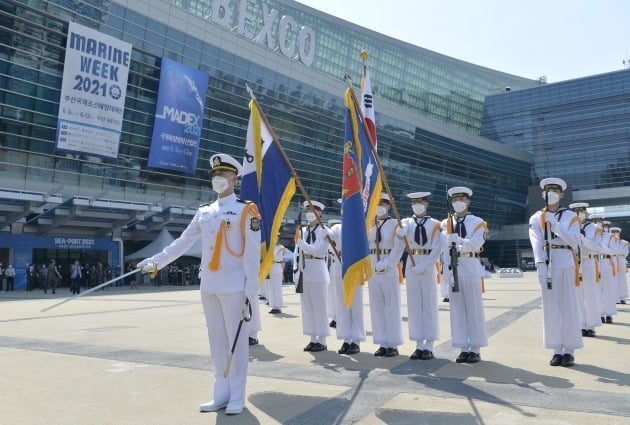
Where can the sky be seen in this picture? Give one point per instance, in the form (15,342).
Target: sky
(559,39)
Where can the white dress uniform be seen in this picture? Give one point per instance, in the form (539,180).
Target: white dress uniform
(608,268)
(621,261)
(275,278)
(227,277)
(315,279)
(350,323)
(468,323)
(561,316)
(589,292)
(425,242)
(384,286)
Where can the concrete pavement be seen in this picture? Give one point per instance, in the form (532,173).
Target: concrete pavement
(126,356)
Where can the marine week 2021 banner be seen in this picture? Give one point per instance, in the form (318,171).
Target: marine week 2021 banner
(178,117)
(93,92)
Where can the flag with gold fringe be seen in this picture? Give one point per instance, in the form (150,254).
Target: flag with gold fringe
(361,191)
(268,182)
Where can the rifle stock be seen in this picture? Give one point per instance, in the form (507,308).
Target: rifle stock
(547,242)
(452,250)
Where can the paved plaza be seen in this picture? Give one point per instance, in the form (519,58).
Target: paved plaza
(125,356)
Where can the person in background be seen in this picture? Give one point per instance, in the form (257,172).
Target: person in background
(9,272)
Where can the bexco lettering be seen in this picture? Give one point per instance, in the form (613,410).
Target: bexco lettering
(222,15)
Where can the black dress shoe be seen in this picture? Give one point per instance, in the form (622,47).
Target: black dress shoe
(590,333)
(445,300)
(318,347)
(568,360)
(583,332)
(473,358)
(556,360)
(609,319)
(622,301)
(344,348)
(309,347)
(275,311)
(380,352)
(253,341)
(353,349)
(426,355)
(463,356)
(603,319)
(333,324)
(391,352)
(416,355)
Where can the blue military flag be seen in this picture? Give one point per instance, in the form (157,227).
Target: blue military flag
(268,182)
(361,192)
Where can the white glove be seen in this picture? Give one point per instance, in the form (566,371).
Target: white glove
(453,238)
(418,269)
(301,243)
(380,266)
(550,217)
(401,231)
(148,265)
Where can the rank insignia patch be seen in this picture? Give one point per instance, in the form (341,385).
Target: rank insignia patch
(254,224)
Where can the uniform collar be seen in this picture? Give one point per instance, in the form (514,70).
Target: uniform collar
(226,199)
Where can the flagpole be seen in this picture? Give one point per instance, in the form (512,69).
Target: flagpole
(378,163)
(298,182)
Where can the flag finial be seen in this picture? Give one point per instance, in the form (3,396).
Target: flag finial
(364,55)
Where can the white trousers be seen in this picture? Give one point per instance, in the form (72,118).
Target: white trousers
(561,318)
(223,314)
(422,306)
(385,309)
(610,292)
(623,279)
(313,299)
(589,296)
(468,322)
(350,323)
(255,324)
(274,287)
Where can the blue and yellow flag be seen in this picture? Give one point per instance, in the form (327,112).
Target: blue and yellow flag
(268,182)
(361,192)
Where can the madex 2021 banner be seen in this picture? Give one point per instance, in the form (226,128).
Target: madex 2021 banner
(178,117)
(93,92)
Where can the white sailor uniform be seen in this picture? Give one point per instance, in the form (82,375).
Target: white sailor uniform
(561,317)
(274,285)
(230,234)
(590,292)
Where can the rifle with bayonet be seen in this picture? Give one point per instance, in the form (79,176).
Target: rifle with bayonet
(547,239)
(452,250)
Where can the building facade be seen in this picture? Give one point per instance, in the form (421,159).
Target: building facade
(428,112)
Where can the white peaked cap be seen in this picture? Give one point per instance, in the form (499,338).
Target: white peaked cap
(578,205)
(596,216)
(553,180)
(316,204)
(385,197)
(459,189)
(615,229)
(340,201)
(221,161)
(417,195)
(606,222)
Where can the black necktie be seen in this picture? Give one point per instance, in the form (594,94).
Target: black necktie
(421,234)
(460,229)
(310,237)
(379,237)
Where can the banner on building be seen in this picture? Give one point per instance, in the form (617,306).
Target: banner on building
(178,117)
(93,92)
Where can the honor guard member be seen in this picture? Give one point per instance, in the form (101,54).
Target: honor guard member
(230,234)
(622,254)
(554,233)
(589,292)
(312,246)
(608,264)
(425,241)
(275,280)
(384,285)
(331,295)
(350,324)
(468,323)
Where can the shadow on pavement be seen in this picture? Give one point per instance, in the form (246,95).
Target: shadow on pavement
(394,416)
(290,409)
(605,375)
(262,354)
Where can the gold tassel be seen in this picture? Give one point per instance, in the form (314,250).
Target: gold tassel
(216,256)
(401,278)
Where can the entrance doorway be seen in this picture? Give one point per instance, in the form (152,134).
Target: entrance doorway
(65,257)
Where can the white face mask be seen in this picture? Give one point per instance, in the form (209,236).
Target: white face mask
(381,210)
(310,216)
(582,215)
(459,206)
(219,184)
(418,209)
(553,198)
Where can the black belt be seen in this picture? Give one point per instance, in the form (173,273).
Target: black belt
(278,262)
(554,246)
(590,256)
(606,256)
(468,254)
(381,251)
(312,257)
(420,251)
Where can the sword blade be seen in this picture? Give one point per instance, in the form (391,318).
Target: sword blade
(109,282)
